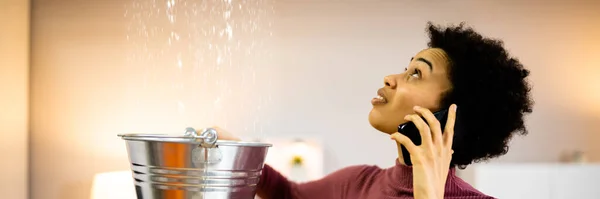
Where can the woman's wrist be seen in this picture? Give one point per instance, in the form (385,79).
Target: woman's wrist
(429,196)
(428,193)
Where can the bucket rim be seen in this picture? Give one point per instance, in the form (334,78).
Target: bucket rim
(187,140)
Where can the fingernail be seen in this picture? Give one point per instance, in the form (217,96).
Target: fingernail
(406,117)
(416,107)
(454,107)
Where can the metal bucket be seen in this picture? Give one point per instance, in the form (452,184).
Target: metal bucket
(194,166)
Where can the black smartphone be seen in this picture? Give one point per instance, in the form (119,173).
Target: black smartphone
(411,131)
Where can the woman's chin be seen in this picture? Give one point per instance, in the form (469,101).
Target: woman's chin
(384,130)
(382,124)
(381,127)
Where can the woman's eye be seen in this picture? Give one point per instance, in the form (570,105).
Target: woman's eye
(416,74)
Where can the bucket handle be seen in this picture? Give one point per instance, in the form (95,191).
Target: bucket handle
(208,138)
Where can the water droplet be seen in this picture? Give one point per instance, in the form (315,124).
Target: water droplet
(227,14)
(229,32)
(180,107)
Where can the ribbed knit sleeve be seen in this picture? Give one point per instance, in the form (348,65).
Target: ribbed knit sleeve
(273,185)
(358,182)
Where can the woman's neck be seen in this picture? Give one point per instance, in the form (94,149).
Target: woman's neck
(400,156)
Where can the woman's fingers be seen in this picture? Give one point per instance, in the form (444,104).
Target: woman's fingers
(405,141)
(449,129)
(434,124)
(423,128)
(224,135)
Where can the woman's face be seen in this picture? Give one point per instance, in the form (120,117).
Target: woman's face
(422,84)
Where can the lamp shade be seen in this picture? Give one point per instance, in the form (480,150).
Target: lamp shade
(113,185)
(300,159)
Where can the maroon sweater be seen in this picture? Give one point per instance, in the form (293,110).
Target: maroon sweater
(358,182)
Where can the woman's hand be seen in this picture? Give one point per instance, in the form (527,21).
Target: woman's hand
(431,159)
(224,135)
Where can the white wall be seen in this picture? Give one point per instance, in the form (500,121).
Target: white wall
(329,58)
(14,87)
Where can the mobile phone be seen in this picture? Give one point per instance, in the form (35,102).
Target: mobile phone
(411,131)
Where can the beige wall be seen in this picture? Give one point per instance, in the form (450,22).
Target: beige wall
(328,60)
(75,77)
(14,92)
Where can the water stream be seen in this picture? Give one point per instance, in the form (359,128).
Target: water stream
(202,62)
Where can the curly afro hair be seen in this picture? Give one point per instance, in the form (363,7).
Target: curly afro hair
(490,89)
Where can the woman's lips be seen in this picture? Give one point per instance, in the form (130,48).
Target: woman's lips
(379,99)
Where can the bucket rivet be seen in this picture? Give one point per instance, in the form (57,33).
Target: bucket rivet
(208,137)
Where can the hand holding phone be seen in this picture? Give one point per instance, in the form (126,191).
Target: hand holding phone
(432,159)
(412,132)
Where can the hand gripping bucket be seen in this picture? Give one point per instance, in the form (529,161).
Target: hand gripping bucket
(194,166)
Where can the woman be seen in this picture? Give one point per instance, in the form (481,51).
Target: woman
(461,70)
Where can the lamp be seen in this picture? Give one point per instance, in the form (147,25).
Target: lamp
(300,148)
(300,159)
(113,185)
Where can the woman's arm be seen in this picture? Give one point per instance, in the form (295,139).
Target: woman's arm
(273,185)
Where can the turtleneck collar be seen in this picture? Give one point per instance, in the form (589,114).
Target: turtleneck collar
(401,176)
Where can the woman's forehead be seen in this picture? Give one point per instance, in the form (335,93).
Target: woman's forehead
(436,56)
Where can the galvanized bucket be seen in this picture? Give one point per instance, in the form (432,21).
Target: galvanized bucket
(194,166)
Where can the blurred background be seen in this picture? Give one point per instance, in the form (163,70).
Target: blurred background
(75,73)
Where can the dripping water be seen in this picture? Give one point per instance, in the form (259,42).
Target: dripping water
(201,62)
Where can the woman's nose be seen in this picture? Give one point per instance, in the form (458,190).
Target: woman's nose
(390,81)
